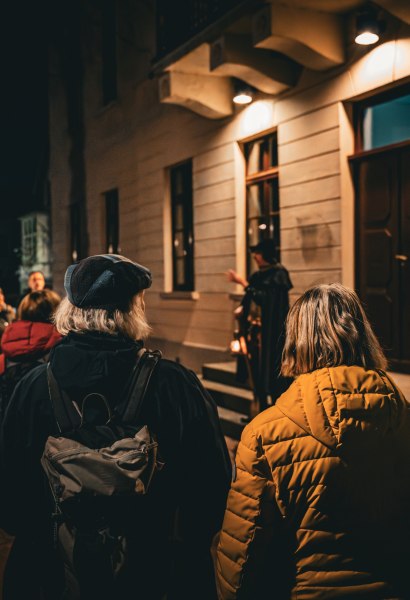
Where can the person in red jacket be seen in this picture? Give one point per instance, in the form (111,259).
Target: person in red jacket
(27,342)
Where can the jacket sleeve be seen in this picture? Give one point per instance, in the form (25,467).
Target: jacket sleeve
(249,523)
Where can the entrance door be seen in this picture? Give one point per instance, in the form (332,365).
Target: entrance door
(382,179)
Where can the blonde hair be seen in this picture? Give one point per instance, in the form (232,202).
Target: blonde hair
(131,322)
(38,306)
(327,327)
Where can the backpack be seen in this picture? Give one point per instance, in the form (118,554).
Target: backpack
(98,469)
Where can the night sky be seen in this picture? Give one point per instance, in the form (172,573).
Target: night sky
(23,43)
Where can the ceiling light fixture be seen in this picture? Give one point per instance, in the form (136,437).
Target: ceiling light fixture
(243,93)
(368,28)
(243,96)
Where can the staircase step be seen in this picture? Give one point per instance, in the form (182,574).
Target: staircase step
(232,422)
(226,396)
(223,372)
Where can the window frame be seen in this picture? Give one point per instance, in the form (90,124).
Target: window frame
(266,176)
(359,112)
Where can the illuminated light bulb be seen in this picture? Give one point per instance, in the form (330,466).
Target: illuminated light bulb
(235,347)
(243,98)
(366,38)
(368,28)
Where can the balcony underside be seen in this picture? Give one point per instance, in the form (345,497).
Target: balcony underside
(265,47)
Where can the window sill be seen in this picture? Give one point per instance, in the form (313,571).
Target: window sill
(237,297)
(179,295)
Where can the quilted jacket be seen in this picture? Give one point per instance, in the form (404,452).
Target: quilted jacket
(320,503)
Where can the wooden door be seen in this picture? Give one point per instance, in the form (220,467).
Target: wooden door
(383,239)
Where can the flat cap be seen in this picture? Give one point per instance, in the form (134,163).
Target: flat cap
(107,281)
(266,247)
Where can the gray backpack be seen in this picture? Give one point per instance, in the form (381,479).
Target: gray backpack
(98,469)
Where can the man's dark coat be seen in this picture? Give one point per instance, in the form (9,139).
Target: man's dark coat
(185,505)
(269,289)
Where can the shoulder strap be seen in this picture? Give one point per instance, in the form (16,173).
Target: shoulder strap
(67,417)
(147,360)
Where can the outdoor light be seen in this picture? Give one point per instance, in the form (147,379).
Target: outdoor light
(368,29)
(243,93)
(238,344)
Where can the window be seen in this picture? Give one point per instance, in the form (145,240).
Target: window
(29,240)
(182,227)
(109,52)
(112,222)
(384,121)
(262,192)
(76,232)
(35,240)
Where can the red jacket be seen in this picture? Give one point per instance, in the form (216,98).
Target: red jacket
(27,341)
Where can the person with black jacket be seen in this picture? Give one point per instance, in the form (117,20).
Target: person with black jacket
(26,342)
(262,317)
(103,321)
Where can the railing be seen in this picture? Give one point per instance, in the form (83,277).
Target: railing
(180,20)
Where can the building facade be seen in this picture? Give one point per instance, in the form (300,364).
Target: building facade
(150,157)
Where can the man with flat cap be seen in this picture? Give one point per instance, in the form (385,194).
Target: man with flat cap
(262,317)
(103,323)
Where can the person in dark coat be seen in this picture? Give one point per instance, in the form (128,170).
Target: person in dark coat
(27,342)
(36,282)
(7,313)
(262,316)
(104,323)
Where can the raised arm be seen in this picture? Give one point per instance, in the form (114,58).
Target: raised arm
(234,277)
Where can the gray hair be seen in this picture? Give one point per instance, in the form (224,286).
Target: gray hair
(132,322)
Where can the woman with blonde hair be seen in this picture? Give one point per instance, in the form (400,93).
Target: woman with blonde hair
(319,506)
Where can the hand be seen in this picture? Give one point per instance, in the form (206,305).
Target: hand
(238,311)
(232,276)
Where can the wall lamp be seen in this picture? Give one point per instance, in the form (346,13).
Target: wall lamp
(368,28)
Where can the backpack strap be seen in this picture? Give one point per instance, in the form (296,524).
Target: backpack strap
(146,362)
(67,417)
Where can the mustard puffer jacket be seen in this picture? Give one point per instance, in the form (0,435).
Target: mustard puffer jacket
(320,502)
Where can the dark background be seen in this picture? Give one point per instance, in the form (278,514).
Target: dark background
(24,32)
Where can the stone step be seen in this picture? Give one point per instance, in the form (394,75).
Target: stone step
(232,422)
(230,397)
(223,372)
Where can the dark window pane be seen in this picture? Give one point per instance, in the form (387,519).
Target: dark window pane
(112,222)
(77,233)
(262,193)
(182,227)
(274,195)
(386,123)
